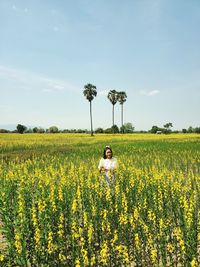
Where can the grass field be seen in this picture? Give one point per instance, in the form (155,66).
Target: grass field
(55,209)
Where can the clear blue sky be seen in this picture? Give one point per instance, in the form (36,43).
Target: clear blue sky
(148,48)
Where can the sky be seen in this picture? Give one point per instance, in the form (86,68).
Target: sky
(148,48)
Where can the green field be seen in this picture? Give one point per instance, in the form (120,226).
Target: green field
(55,209)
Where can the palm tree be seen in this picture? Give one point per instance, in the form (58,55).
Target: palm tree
(122,98)
(90,92)
(113,97)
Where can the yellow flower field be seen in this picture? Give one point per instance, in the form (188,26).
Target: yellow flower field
(56,210)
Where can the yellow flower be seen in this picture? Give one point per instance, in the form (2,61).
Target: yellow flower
(153,255)
(170,248)
(85,257)
(2,257)
(193,263)
(93,260)
(137,241)
(50,242)
(90,233)
(77,263)
(104,255)
(18,244)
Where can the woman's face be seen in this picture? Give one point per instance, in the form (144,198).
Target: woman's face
(108,154)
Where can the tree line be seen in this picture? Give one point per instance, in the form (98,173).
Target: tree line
(128,128)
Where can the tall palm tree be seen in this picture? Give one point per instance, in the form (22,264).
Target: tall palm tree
(90,92)
(122,98)
(113,97)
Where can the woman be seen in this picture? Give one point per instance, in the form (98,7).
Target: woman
(108,164)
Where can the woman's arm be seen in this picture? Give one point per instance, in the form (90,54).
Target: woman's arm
(101,165)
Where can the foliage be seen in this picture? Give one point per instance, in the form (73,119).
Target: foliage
(155,129)
(108,130)
(122,97)
(127,128)
(99,130)
(53,129)
(21,128)
(113,96)
(90,91)
(115,129)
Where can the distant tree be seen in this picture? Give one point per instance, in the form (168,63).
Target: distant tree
(168,125)
(53,129)
(167,129)
(197,130)
(29,130)
(108,131)
(90,91)
(99,130)
(113,97)
(122,98)
(4,131)
(190,129)
(115,128)
(154,129)
(40,130)
(184,130)
(35,129)
(21,128)
(127,128)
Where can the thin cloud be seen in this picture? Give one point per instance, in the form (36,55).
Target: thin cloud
(154,92)
(149,93)
(103,93)
(21,80)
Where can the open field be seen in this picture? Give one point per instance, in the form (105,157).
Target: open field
(56,211)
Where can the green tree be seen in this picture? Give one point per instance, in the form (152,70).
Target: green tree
(154,129)
(196,130)
(99,130)
(122,98)
(168,125)
(90,91)
(21,128)
(115,128)
(113,97)
(108,131)
(35,129)
(167,129)
(127,128)
(190,130)
(53,129)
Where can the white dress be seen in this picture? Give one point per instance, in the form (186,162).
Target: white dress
(108,165)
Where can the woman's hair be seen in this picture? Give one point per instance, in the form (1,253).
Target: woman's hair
(104,152)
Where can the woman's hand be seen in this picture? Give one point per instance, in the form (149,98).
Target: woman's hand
(101,169)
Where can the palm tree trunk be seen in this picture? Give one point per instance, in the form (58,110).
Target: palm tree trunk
(91,117)
(122,117)
(113,113)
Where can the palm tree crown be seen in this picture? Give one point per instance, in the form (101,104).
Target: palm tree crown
(113,96)
(122,97)
(90,91)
